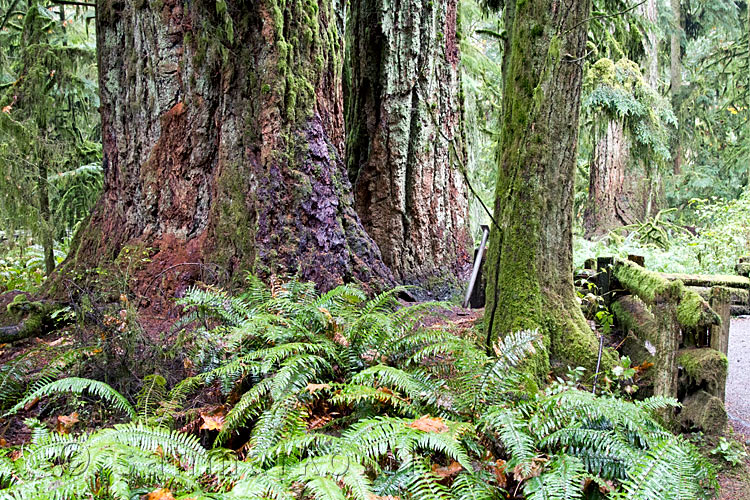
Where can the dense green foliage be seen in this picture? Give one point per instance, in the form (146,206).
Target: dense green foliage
(336,396)
(49,124)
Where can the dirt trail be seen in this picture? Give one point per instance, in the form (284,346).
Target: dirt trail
(738,381)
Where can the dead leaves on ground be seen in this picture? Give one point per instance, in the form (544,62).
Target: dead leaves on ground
(213,420)
(427,423)
(66,422)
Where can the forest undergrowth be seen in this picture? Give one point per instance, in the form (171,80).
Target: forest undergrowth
(286,393)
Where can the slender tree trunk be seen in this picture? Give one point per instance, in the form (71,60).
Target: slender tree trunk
(404,136)
(651,44)
(651,48)
(530,275)
(44,216)
(675,73)
(608,204)
(223,135)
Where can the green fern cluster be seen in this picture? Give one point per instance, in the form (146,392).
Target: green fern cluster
(337,396)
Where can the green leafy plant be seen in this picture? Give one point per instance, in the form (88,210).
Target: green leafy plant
(341,396)
(730,451)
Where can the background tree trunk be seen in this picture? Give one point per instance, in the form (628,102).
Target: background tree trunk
(608,204)
(403,119)
(675,74)
(223,138)
(530,275)
(655,186)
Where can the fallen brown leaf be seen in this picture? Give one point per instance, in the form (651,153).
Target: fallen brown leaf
(160,494)
(311,388)
(427,423)
(212,422)
(447,471)
(499,470)
(66,422)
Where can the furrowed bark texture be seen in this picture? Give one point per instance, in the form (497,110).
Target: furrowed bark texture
(223,136)
(617,194)
(530,277)
(404,134)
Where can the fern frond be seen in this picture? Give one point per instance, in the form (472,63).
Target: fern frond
(78,385)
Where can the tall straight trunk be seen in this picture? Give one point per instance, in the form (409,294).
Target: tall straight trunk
(650,12)
(530,275)
(404,135)
(608,205)
(675,73)
(45,218)
(651,48)
(223,138)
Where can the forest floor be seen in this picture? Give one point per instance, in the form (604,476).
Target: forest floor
(735,482)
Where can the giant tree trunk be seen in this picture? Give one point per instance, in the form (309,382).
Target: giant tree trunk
(223,134)
(530,276)
(404,136)
(609,201)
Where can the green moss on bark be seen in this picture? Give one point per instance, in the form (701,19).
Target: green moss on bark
(705,412)
(705,368)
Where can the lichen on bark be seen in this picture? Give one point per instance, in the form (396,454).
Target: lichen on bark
(405,140)
(223,144)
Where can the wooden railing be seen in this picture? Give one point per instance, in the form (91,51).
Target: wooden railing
(680,324)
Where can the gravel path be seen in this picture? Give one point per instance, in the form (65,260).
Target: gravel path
(738,381)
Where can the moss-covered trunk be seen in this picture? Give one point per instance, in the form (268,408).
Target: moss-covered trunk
(223,135)
(530,276)
(404,135)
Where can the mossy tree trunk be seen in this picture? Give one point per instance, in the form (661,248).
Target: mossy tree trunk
(404,134)
(530,276)
(223,135)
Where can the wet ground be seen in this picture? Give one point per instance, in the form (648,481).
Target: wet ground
(738,381)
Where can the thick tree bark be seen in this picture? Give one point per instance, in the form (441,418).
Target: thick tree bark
(675,74)
(404,136)
(223,134)
(530,276)
(608,204)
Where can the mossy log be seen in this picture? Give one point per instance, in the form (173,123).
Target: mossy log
(737,296)
(34,318)
(743,269)
(703,369)
(653,288)
(737,310)
(652,337)
(709,280)
(703,411)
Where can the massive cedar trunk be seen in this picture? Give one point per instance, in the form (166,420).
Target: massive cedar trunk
(530,275)
(616,196)
(223,134)
(404,136)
